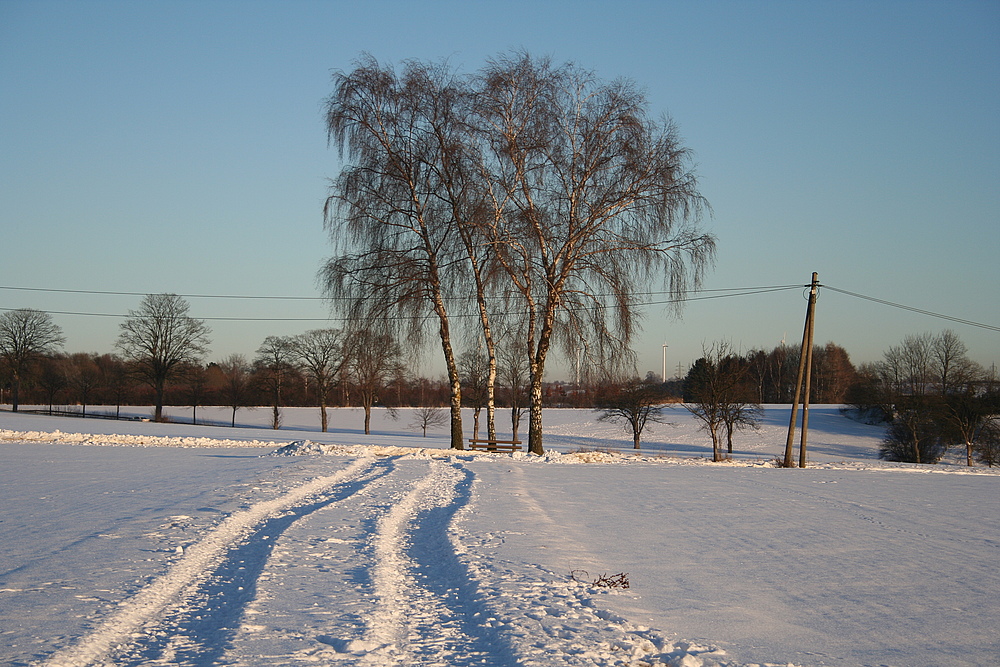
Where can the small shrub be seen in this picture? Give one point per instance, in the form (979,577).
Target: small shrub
(912,438)
(619,580)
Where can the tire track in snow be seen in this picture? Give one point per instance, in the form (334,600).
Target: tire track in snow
(427,607)
(184,575)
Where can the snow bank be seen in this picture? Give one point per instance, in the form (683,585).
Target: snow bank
(124,440)
(579,456)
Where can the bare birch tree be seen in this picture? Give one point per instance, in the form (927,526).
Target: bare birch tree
(545,176)
(592,200)
(391,224)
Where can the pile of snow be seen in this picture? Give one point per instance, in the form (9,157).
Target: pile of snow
(124,440)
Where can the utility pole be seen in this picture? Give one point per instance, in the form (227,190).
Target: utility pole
(805,370)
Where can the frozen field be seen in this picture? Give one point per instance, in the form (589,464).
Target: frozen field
(134,543)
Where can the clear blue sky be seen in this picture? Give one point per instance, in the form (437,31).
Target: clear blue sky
(179,147)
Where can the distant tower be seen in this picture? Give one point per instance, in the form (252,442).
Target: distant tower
(663,377)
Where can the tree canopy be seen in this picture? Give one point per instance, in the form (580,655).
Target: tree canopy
(528,193)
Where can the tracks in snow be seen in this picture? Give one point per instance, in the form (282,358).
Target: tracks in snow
(419,596)
(277,584)
(185,574)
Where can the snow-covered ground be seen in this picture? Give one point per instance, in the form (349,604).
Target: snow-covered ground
(136,543)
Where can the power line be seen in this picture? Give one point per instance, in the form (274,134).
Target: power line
(323,298)
(690,295)
(211,319)
(186,296)
(704,294)
(988,327)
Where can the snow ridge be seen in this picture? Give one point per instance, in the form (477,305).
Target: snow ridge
(386,634)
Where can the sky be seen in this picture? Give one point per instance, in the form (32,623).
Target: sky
(180,147)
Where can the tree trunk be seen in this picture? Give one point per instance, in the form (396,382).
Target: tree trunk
(158,411)
(368,418)
(535,415)
(491,408)
(454,379)
(456,412)
(537,371)
(322,414)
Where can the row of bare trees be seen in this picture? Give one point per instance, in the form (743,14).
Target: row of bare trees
(724,389)
(162,351)
(926,390)
(520,207)
(933,397)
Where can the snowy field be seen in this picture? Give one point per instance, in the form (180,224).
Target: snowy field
(135,543)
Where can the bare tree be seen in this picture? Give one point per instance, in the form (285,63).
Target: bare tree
(391,223)
(115,378)
(514,373)
(83,376)
(52,377)
(323,356)
(427,417)
(374,361)
(930,391)
(950,363)
(966,405)
(159,338)
(591,199)
(25,335)
(273,366)
(988,443)
(742,413)
(913,436)
(196,388)
(236,387)
(718,392)
(634,403)
(475,370)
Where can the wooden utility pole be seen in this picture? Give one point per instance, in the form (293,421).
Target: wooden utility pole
(805,370)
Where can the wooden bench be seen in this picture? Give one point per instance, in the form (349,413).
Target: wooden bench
(484,445)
